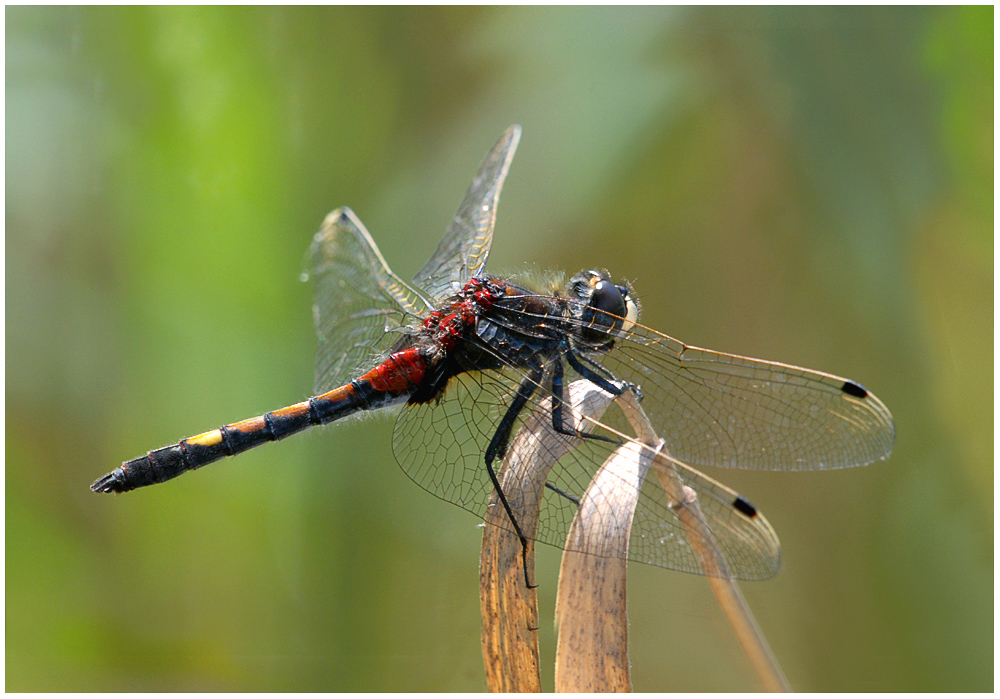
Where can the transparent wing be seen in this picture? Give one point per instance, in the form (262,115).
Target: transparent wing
(462,252)
(711,408)
(441,446)
(717,409)
(747,542)
(360,304)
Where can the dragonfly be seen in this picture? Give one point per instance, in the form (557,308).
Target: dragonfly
(466,356)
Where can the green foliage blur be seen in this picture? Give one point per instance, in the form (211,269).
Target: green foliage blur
(813,186)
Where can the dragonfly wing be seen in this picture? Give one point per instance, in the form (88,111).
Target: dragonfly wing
(441,445)
(462,253)
(742,535)
(359,302)
(717,409)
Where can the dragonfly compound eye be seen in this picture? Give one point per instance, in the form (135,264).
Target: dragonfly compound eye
(607,299)
(605,310)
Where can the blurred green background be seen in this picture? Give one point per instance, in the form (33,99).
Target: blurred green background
(811,186)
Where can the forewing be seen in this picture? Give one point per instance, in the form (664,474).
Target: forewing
(717,409)
(359,303)
(462,252)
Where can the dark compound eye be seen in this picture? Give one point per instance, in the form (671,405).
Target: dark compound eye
(607,298)
(606,311)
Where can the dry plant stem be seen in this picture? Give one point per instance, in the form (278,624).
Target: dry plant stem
(509,609)
(592,653)
(689,513)
(510,613)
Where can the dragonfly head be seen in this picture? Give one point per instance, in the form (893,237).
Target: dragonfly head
(605,308)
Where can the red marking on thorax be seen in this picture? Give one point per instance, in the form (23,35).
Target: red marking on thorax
(449,323)
(399,373)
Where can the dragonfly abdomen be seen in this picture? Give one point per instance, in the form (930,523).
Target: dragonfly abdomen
(389,383)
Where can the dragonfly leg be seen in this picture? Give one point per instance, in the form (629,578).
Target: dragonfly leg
(628,385)
(611,385)
(557,401)
(498,445)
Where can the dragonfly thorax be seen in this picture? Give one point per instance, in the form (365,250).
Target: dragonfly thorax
(449,323)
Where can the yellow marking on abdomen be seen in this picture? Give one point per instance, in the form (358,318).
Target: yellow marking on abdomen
(205,439)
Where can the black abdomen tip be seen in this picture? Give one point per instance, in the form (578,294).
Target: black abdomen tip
(114,482)
(743,506)
(854,389)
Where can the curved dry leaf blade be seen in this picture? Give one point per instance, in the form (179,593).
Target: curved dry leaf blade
(509,609)
(699,534)
(591,609)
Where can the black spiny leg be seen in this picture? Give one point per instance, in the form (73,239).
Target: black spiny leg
(615,388)
(624,385)
(557,407)
(499,444)
(557,398)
